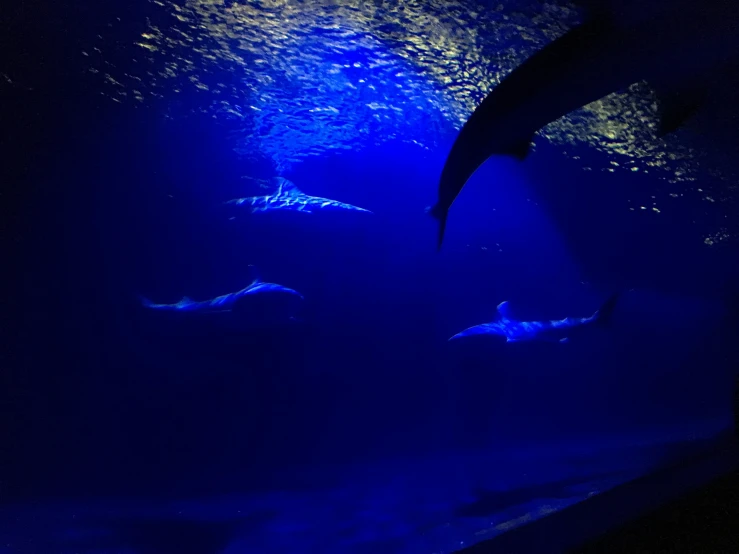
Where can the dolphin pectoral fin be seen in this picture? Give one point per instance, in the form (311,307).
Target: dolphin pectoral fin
(677,106)
(519,150)
(440,214)
(442,229)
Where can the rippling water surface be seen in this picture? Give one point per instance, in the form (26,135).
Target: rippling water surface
(298,79)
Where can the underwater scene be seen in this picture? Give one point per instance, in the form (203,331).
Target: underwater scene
(277,286)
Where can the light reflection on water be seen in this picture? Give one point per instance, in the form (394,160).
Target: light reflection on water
(307,77)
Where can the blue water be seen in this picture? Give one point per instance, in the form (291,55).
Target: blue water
(394,505)
(345,423)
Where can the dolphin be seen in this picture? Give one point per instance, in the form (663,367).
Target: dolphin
(287,197)
(225,302)
(673,49)
(558,330)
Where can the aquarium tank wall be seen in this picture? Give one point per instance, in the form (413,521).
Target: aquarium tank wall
(229,325)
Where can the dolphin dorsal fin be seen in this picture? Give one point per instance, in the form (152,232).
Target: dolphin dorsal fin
(185,300)
(285,187)
(504,310)
(255,279)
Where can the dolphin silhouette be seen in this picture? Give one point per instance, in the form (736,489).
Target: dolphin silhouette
(225,302)
(673,49)
(287,197)
(557,330)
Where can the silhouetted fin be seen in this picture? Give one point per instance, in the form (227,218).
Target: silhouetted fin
(625,13)
(604,314)
(677,106)
(504,310)
(186,300)
(519,150)
(579,37)
(440,214)
(255,277)
(597,9)
(615,13)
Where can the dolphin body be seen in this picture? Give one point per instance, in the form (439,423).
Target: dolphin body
(225,302)
(673,49)
(288,197)
(557,330)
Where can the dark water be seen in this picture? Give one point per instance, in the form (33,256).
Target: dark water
(355,427)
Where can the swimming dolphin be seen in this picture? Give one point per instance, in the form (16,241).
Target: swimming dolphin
(288,197)
(550,331)
(673,49)
(225,302)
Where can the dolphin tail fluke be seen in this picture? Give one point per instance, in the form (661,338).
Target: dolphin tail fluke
(605,313)
(145,302)
(440,214)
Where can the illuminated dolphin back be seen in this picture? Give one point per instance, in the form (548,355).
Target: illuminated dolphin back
(501,321)
(288,197)
(515,330)
(224,302)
